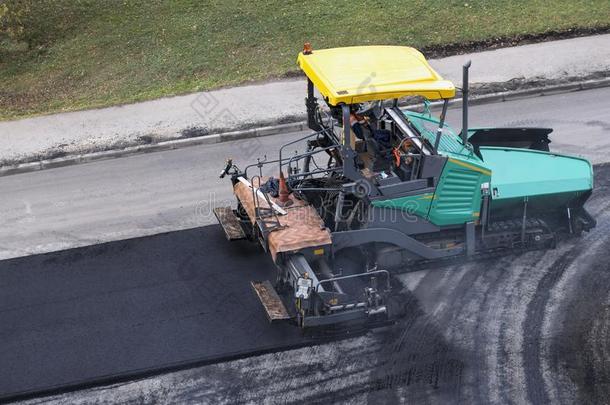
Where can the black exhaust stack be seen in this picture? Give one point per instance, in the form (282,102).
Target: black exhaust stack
(465,102)
(311,102)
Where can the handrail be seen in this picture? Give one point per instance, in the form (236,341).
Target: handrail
(299,140)
(267,162)
(257,209)
(298,175)
(317,189)
(310,153)
(258,164)
(334,279)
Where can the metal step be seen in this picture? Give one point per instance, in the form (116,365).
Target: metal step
(274,307)
(226,217)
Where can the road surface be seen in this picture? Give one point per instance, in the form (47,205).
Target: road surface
(529,328)
(526,328)
(160,192)
(115,309)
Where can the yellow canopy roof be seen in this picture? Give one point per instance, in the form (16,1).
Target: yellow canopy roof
(365,73)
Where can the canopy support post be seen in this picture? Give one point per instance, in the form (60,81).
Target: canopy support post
(346,125)
(465,102)
(311,103)
(439,131)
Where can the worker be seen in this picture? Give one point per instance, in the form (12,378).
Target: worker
(358,124)
(403,159)
(361,125)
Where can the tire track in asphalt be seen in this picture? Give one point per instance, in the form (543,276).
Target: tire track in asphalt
(559,386)
(539,307)
(518,292)
(464,309)
(469,323)
(488,320)
(579,295)
(446,361)
(580,352)
(601,353)
(308,374)
(534,380)
(425,360)
(419,360)
(512,341)
(457,305)
(482,319)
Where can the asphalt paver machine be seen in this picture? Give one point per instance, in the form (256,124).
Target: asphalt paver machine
(376,189)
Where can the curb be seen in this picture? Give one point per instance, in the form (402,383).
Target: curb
(276,129)
(150,148)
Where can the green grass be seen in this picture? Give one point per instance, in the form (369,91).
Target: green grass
(110,52)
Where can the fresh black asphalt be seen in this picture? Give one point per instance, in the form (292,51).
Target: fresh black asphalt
(122,307)
(531,327)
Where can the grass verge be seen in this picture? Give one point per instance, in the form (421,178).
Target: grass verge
(104,53)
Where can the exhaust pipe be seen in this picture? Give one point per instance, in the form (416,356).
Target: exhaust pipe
(465,102)
(311,103)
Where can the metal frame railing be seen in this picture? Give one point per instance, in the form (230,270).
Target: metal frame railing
(351,276)
(264,221)
(328,131)
(293,173)
(281,160)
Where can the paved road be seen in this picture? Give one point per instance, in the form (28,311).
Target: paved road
(530,328)
(132,305)
(160,192)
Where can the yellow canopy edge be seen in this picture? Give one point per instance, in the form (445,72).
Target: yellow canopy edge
(365,73)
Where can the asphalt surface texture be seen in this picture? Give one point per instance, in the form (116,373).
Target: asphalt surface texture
(131,305)
(527,328)
(524,328)
(81,205)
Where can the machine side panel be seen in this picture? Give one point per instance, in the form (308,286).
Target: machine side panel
(412,204)
(457,199)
